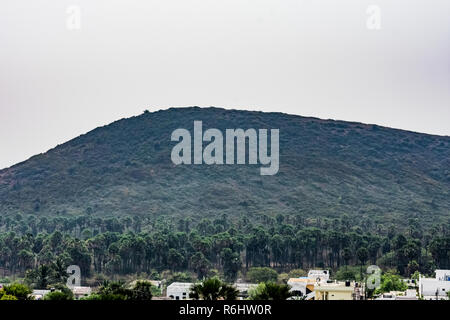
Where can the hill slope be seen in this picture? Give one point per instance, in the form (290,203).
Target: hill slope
(326,168)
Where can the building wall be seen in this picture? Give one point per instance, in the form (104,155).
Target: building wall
(181,294)
(334,295)
(178,291)
(443,275)
(428,288)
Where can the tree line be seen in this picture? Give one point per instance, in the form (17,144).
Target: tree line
(229,247)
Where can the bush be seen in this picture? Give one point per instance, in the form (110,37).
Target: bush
(297,273)
(142,290)
(348,273)
(262,274)
(270,291)
(391,282)
(283,278)
(20,291)
(57,296)
(213,289)
(5,280)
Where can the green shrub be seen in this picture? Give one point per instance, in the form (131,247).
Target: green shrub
(262,274)
(57,296)
(20,291)
(8,297)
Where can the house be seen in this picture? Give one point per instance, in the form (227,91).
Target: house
(301,286)
(243,289)
(319,275)
(39,294)
(79,292)
(386,296)
(337,291)
(179,290)
(410,294)
(411,283)
(304,286)
(435,288)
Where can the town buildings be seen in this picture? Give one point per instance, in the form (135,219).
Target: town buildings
(435,288)
(338,291)
(179,290)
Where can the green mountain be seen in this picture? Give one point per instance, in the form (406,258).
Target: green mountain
(327,168)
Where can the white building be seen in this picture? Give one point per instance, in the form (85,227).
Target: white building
(302,286)
(409,294)
(319,275)
(243,289)
(435,288)
(79,292)
(179,290)
(39,294)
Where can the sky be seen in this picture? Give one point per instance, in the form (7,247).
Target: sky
(67,67)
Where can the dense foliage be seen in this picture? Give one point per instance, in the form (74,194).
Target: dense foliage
(15,291)
(113,203)
(327,168)
(270,291)
(116,290)
(213,289)
(125,246)
(391,282)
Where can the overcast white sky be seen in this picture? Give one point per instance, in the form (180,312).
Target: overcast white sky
(312,58)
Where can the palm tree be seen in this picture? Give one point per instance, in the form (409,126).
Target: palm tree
(271,291)
(60,271)
(43,276)
(213,289)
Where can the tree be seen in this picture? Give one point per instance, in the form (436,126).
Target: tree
(175,259)
(362,254)
(113,290)
(20,291)
(348,255)
(262,274)
(347,273)
(213,289)
(39,278)
(59,271)
(297,273)
(231,264)
(412,267)
(200,264)
(7,297)
(58,296)
(391,282)
(270,291)
(142,291)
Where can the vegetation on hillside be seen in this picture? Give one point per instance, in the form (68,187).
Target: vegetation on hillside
(216,247)
(327,168)
(112,202)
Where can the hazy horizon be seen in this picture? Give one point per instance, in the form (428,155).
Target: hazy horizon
(302,57)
